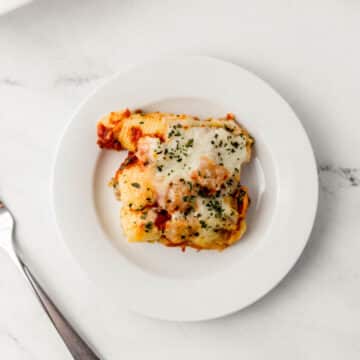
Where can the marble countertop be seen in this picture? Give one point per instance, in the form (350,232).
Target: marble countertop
(53,53)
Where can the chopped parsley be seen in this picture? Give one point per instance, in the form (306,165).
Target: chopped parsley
(190,143)
(179,150)
(203,224)
(188,198)
(136,185)
(214,205)
(228,128)
(148,226)
(242,193)
(230,182)
(203,192)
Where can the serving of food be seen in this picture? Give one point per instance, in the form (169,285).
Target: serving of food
(180,182)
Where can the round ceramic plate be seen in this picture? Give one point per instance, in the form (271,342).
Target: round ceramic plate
(165,282)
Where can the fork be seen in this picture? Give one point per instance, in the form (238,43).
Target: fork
(75,344)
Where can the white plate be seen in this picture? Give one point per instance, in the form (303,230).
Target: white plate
(165,282)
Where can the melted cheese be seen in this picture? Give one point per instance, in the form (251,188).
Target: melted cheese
(180,155)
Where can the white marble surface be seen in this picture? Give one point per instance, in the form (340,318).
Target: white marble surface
(53,53)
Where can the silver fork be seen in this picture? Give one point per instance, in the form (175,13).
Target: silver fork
(77,347)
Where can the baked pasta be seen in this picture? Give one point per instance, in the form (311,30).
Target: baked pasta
(180,183)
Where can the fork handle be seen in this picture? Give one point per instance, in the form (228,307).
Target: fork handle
(77,347)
